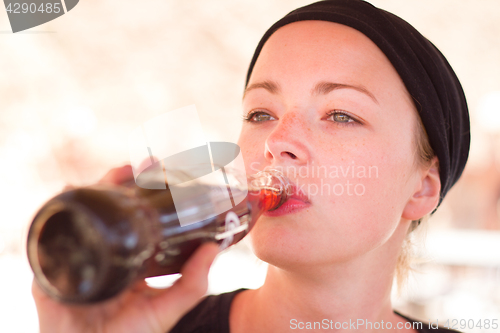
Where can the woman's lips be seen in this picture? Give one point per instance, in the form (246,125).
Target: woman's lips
(295,203)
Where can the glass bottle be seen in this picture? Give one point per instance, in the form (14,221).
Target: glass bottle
(88,244)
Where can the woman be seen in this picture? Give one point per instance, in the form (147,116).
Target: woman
(336,87)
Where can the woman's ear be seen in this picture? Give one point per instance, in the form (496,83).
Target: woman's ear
(425,198)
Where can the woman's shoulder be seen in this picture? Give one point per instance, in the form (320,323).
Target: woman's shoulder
(426,327)
(210,315)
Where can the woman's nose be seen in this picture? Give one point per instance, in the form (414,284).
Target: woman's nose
(288,142)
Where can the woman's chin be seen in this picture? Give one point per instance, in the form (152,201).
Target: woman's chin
(284,249)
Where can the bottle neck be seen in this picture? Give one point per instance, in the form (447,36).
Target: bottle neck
(268,189)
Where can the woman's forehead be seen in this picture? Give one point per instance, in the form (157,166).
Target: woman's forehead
(320,30)
(314,51)
(322,43)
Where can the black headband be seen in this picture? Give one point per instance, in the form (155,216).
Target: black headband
(426,73)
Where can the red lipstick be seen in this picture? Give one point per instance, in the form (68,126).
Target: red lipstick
(296,202)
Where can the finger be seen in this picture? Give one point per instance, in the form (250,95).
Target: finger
(68,188)
(188,290)
(146,163)
(36,291)
(118,176)
(125,173)
(49,311)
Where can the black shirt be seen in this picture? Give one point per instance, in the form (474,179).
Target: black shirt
(212,316)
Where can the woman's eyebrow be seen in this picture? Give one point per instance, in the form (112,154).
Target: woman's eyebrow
(324,87)
(321,88)
(271,86)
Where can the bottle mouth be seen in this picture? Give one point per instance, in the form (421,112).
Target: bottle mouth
(66,253)
(272,186)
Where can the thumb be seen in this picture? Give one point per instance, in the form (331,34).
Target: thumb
(189,289)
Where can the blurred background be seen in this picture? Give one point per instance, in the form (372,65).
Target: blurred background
(72,89)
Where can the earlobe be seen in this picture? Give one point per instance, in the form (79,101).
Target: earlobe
(426,196)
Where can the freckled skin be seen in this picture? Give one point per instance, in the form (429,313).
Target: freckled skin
(336,228)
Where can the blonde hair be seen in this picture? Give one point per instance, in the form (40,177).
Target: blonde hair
(423,156)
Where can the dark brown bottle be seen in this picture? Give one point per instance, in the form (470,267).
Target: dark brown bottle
(89,244)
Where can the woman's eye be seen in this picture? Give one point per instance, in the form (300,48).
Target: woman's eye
(340,117)
(258,116)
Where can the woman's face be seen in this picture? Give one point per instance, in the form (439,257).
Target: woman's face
(325,105)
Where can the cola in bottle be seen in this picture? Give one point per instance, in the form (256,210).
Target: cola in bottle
(88,244)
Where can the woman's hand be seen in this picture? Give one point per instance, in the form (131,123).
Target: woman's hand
(139,308)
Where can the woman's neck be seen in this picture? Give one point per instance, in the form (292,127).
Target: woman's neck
(355,292)
(338,293)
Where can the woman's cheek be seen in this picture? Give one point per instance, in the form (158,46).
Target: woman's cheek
(366,204)
(253,152)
